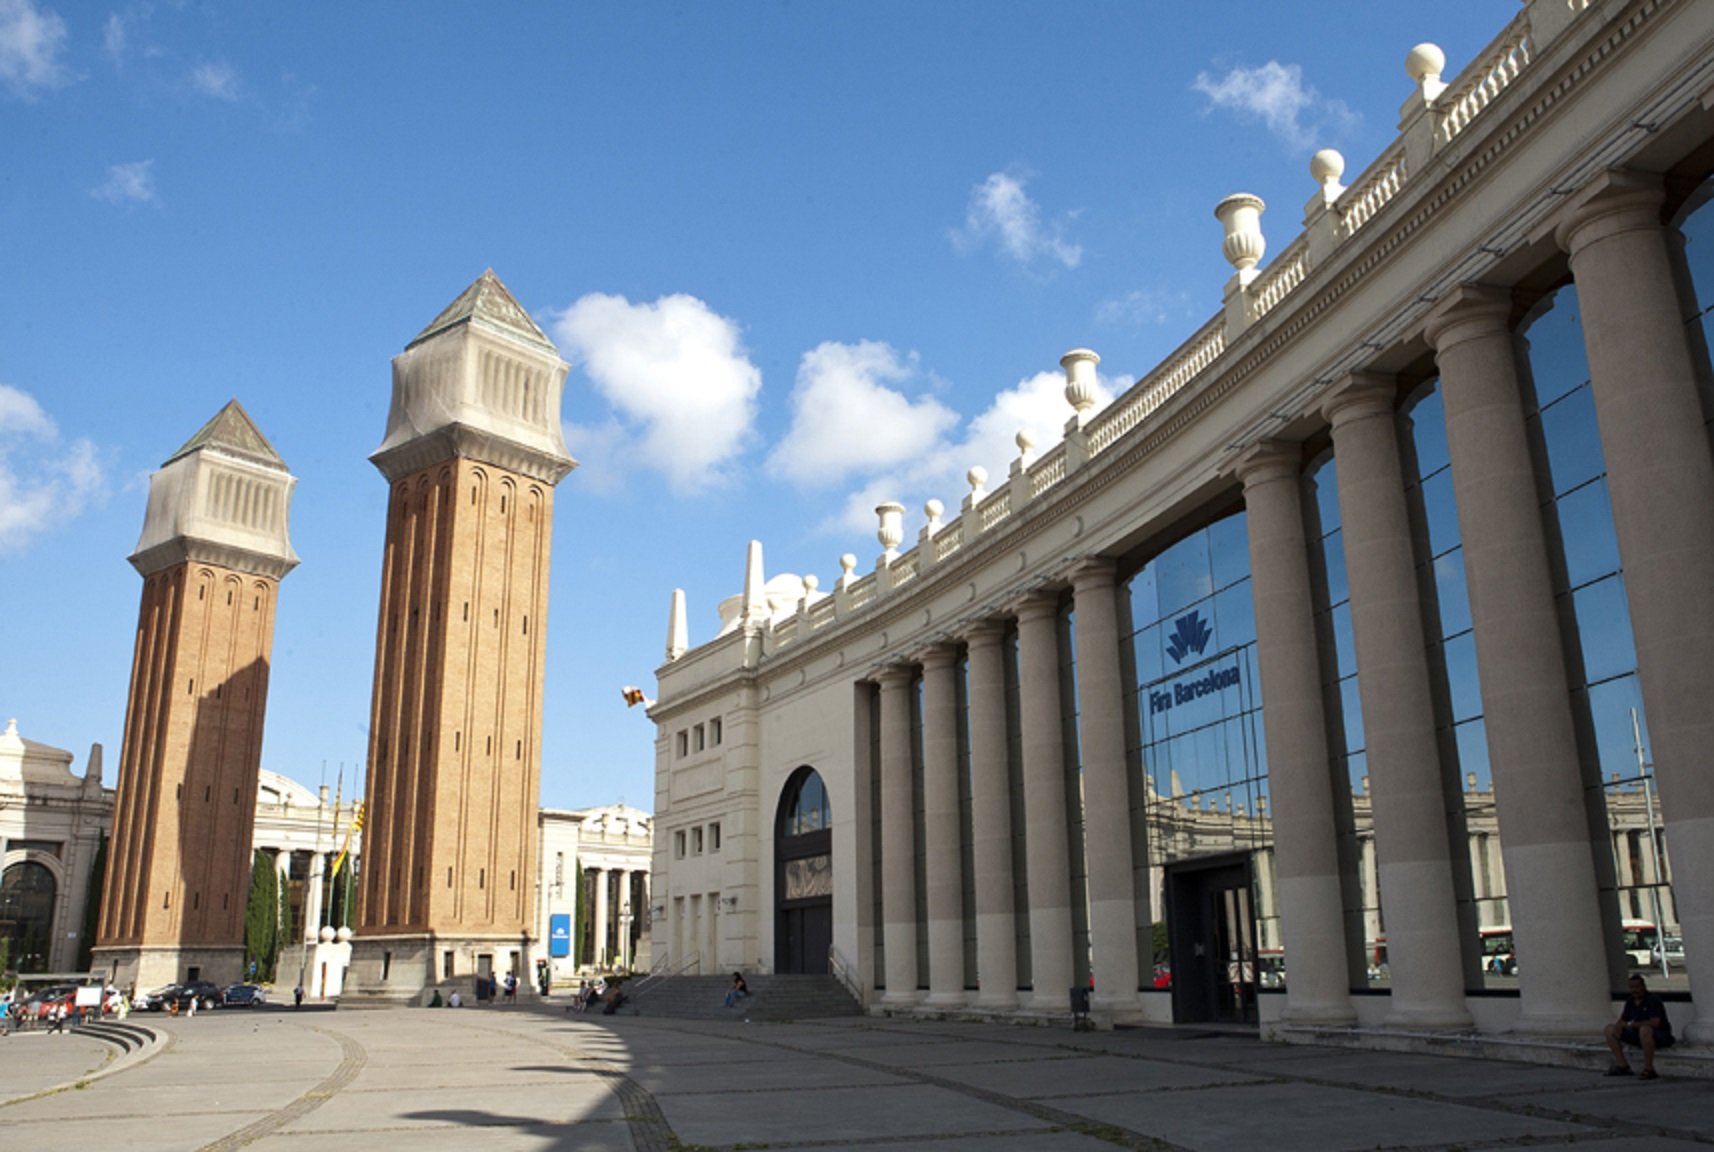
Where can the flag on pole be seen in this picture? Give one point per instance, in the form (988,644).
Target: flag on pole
(356,826)
(634,696)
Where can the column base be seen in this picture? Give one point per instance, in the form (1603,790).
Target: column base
(1430,1020)
(998,1002)
(945,1000)
(897,1000)
(1572,1025)
(1318,1015)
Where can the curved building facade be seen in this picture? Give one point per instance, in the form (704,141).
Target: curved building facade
(1351,668)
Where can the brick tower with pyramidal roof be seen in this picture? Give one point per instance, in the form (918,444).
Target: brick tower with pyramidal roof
(214,548)
(472,453)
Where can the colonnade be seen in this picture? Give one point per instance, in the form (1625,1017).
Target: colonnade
(613,924)
(1654,437)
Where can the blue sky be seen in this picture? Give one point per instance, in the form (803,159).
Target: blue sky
(801,256)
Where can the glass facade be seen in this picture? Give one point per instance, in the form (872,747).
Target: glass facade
(1490,962)
(1198,759)
(1607,701)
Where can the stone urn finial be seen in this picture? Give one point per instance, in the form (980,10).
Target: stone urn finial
(933,510)
(1025,442)
(1244,245)
(978,478)
(1079,365)
(892,531)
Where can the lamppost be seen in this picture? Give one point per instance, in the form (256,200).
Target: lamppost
(625,935)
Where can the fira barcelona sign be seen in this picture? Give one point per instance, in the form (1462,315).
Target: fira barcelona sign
(1190,637)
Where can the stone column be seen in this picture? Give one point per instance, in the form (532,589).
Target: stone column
(991,820)
(598,918)
(1661,478)
(1294,723)
(622,935)
(313,898)
(1049,863)
(898,840)
(1526,698)
(1398,715)
(1106,787)
(942,827)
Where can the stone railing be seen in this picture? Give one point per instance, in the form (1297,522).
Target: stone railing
(1491,74)
(1285,273)
(1159,386)
(1374,189)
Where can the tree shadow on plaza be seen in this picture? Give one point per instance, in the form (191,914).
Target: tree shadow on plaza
(589,1135)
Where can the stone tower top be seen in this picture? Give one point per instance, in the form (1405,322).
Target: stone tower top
(481,382)
(223,498)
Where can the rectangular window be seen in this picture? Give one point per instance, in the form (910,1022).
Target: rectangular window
(698,735)
(696,841)
(714,732)
(446,964)
(678,845)
(714,838)
(683,743)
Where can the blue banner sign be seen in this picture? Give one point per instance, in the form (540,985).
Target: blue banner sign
(559,934)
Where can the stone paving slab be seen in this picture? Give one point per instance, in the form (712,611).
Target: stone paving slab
(496,1105)
(1032,1141)
(1308,1118)
(1450,1076)
(875,1113)
(1685,1104)
(33,1061)
(780,1074)
(1088,1075)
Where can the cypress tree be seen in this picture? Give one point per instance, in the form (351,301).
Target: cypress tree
(92,908)
(577,914)
(262,915)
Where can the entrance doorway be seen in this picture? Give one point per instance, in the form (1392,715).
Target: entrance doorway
(1211,928)
(803,876)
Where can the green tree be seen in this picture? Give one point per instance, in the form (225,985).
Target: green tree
(262,916)
(578,902)
(92,908)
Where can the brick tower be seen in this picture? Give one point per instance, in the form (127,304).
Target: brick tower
(214,548)
(472,453)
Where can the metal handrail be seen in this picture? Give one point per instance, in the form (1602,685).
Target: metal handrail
(664,968)
(841,971)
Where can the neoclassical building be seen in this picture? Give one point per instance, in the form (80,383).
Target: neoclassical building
(1350,668)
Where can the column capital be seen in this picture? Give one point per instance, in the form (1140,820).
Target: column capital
(892,675)
(1094,573)
(1468,312)
(937,657)
(1036,605)
(1618,200)
(1267,461)
(1357,395)
(984,633)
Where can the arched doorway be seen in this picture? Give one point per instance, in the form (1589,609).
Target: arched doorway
(803,876)
(27,914)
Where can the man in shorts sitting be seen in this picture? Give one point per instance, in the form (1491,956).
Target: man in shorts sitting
(1642,1023)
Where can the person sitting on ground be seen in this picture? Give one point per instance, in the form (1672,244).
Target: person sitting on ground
(738,991)
(1642,1023)
(437,1002)
(455,1000)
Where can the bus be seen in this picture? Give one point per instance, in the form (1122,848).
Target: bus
(1499,957)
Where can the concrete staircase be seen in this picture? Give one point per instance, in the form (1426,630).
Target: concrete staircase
(772,998)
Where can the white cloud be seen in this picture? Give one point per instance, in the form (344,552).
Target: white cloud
(31,42)
(678,378)
(1001,211)
(1276,95)
(1035,404)
(42,481)
(845,419)
(217,79)
(128,183)
(113,37)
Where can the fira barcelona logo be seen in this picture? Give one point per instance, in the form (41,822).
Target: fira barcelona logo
(1190,634)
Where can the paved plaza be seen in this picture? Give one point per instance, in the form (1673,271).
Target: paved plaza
(532,1079)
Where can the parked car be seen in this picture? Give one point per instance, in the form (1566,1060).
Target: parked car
(37,1005)
(243,996)
(1670,949)
(156,1000)
(205,993)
